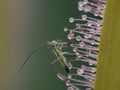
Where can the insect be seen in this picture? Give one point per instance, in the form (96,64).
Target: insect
(56,47)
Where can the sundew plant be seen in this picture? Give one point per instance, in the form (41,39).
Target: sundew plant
(79,55)
(80,61)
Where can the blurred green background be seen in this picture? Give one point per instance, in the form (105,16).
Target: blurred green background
(24,25)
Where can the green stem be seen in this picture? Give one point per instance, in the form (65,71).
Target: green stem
(108,70)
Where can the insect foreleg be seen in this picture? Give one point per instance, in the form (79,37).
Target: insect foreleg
(62,44)
(59,41)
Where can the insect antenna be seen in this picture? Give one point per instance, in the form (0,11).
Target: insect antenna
(35,50)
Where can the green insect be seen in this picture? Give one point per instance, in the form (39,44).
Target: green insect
(56,47)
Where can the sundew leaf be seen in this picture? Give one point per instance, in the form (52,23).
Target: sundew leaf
(108,70)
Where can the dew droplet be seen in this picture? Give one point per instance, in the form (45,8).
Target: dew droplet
(72,45)
(93,42)
(67,83)
(65,29)
(93,70)
(87,8)
(80,8)
(91,63)
(78,38)
(71,20)
(78,55)
(80,71)
(84,17)
(71,36)
(78,26)
(82,44)
(69,75)
(95,13)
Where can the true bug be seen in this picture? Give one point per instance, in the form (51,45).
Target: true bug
(56,48)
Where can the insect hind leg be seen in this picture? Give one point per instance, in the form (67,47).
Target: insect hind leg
(53,66)
(59,74)
(62,77)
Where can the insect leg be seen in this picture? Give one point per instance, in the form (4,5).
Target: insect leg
(52,64)
(59,41)
(62,77)
(54,61)
(62,44)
